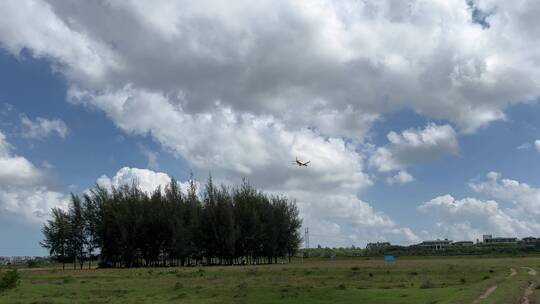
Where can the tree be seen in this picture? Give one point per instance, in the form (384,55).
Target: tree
(77,235)
(131,228)
(56,234)
(94,202)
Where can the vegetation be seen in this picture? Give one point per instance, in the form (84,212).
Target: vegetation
(127,227)
(414,250)
(10,280)
(410,280)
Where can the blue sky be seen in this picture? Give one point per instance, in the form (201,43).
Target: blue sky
(92,148)
(433,138)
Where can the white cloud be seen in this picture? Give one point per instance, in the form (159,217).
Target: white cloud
(241,88)
(402,177)
(471,217)
(537,145)
(227,143)
(42,127)
(524,198)
(16,170)
(524,146)
(146,180)
(260,57)
(24,190)
(259,148)
(33,204)
(33,24)
(415,146)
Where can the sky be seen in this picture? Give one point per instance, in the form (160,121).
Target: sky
(420,118)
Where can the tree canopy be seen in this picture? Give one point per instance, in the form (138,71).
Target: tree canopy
(127,227)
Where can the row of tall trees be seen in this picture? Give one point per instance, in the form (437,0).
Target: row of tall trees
(126,227)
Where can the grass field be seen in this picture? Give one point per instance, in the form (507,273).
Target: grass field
(409,280)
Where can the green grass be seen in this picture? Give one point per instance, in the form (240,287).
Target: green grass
(409,280)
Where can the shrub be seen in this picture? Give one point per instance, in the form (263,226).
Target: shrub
(178,285)
(462,280)
(10,280)
(68,279)
(355,268)
(427,284)
(32,264)
(242,285)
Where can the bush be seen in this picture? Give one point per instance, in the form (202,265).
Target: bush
(427,284)
(32,264)
(68,280)
(10,280)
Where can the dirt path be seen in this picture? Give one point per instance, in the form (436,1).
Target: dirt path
(527,294)
(486,294)
(491,289)
(513,272)
(531,271)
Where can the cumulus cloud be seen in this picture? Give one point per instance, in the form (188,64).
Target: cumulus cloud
(242,88)
(42,127)
(340,53)
(16,170)
(259,148)
(524,197)
(469,218)
(146,180)
(24,191)
(402,177)
(537,145)
(33,25)
(472,217)
(415,146)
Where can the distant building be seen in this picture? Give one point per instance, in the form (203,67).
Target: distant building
(530,240)
(463,243)
(378,245)
(489,239)
(436,244)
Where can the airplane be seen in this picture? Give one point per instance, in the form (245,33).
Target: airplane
(300,163)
